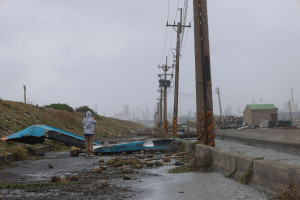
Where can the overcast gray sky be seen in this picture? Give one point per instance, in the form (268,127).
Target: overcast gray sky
(105,53)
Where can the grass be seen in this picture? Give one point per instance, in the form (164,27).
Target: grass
(123,161)
(181,169)
(247,176)
(22,186)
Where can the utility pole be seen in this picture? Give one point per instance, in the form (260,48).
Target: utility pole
(160,108)
(166,84)
(220,107)
(205,119)
(24,86)
(175,113)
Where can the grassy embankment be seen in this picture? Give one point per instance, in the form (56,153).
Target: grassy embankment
(15,116)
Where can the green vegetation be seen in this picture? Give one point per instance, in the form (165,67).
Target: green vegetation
(59,106)
(84,109)
(181,169)
(231,175)
(123,161)
(290,194)
(247,176)
(22,186)
(20,151)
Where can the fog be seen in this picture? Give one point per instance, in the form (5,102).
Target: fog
(106,53)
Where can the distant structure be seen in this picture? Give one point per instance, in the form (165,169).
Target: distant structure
(254,113)
(125,115)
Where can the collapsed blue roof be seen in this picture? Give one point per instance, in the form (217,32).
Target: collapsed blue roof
(36,133)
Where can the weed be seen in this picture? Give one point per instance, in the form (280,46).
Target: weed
(290,194)
(247,176)
(123,161)
(181,169)
(22,186)
(231,175)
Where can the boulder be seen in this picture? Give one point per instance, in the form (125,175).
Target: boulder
(167,159)
(74,177)
(101,160)
(150,156)
(149,163)
(74,152)
(138,166)
(97,170)
(178,163)
(104,183)
(159,163)
(127,171)
(126,177)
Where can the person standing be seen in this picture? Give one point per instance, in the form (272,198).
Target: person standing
(88,131)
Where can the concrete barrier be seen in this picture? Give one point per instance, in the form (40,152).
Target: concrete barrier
(271,175)
(289,139)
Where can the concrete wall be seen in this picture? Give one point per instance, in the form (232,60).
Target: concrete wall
(270,175)
(286,138)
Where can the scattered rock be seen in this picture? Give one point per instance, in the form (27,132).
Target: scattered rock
(74,177)
(179,163)
(97,170)
(181,153)
(104,183)
(140,156)
(149,163)
(74,152)
(118,165)
(103,167)
(144,162)
(50,166)
(138,166)
(167,159)
(126,177)
(159,163)
(150,156)
(127,171)
(54,179)
(101,160)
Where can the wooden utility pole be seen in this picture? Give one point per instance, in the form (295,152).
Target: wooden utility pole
(220,106)
(205,119)
(165,123)
(175,112)
(160,108)
(166,84)
(24,86)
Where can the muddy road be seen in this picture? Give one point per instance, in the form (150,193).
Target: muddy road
(31,180)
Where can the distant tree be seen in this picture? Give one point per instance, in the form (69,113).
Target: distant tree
(60,106)
(84,109)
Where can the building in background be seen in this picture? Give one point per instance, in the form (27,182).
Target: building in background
(254,113)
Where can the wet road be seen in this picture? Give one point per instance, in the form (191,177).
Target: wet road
(194,186)
(149,183)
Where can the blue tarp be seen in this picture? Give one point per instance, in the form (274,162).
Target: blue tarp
(44,131)
(37,133)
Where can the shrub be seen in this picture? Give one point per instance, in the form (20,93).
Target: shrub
(60,107)
(84,109)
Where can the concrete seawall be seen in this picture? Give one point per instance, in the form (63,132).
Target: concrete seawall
(287,139)
(274,176)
